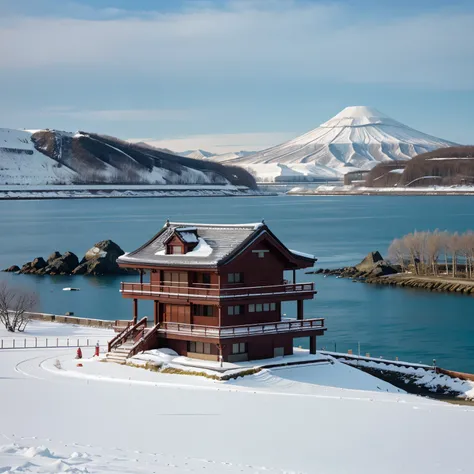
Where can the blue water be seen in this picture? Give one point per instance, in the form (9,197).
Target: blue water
(411,324)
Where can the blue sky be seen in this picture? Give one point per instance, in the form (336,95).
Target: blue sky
(234,74)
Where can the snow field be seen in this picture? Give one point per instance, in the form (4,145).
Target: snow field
(307,419)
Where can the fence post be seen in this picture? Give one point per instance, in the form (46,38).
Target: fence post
(13,343)
(25,342)
(2,343)
(87,342)
(67,342)
(36,342)
(57,342)
(46,342)
(78,343)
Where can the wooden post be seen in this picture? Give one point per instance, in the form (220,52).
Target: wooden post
(294,277)
(141,277)
(312,344)
(300,311)
(156,312)
(135,310)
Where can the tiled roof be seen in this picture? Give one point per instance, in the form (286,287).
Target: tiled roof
(216,243)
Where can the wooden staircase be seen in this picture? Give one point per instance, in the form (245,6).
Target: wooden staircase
(132,340)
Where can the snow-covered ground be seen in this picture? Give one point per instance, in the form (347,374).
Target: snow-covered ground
(327,189)
(103,191)
(327,418)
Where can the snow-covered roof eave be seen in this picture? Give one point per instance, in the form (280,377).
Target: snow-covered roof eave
(302,254)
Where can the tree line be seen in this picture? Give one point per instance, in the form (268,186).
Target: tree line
(435,252)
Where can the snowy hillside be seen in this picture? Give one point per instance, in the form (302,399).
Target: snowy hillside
(47,157)
(356,138)
(22,163)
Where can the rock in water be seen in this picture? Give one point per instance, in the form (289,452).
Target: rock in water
(54,256)
(13,268)
(369,262)
(64,264)
(34,266)
(100,259)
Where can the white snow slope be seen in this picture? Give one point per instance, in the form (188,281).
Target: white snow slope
(356,138)
(203,154)
(323,418)
(21,163)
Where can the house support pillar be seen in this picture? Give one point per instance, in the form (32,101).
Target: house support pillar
(294,277)
(312,344)
(299,309)
(156,312)
(135,310)
(141,277)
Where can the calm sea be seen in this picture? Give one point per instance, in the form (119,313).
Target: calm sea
(411,324)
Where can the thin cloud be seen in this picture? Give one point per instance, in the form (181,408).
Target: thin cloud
(119,115)
(295,40)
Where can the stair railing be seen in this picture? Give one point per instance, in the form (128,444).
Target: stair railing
(141,344)
(125,334)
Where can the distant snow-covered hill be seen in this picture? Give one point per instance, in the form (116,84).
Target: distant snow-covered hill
(202,154)
(356,138)
(55,157)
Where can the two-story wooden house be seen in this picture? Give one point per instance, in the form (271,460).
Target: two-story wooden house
(218,291)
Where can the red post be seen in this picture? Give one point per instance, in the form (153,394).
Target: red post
(97,349)
(79,353)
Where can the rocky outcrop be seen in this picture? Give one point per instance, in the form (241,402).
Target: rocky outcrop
(372,266)
(101,259)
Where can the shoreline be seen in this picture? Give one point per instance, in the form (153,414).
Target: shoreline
(380,193)
(430,283)
(27,192)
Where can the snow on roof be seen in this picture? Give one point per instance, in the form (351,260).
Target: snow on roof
(188,237)
(202,249)
(216,242)
(302,254)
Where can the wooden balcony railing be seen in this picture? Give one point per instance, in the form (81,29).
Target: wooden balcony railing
(293,325)
(213,292)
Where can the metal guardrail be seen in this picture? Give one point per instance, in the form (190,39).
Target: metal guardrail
(212,292)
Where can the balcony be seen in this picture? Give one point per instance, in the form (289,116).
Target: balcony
(214,292)
(224,332)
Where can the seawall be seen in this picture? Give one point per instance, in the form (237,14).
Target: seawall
(425,283)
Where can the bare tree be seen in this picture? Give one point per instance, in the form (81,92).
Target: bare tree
(15,305)
(398,253)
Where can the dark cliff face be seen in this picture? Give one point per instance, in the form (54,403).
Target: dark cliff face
(443,167)
(99,159)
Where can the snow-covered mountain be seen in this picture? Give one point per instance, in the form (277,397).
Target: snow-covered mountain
(203,154)
(54,157)
(356,138)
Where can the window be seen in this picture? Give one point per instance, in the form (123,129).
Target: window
(259,307)
(206,278)
(199,347)
(233,310)
(202,310)
(176,249)
(175,278)
(235,277)
(239,348)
